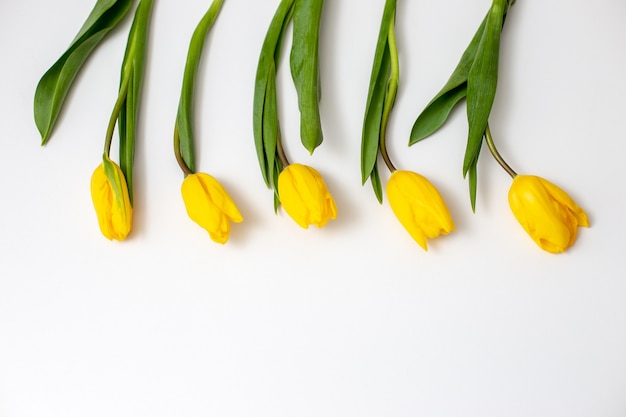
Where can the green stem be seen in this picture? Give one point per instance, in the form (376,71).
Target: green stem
(280,150)
(392,89)
(178,154)
(121,99)
(496,154)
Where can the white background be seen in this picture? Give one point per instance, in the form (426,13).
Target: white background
(354,319)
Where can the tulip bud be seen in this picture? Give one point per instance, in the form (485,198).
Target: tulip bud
(111,200)
(209,205)
(304,196)
(546,212)
(419,206)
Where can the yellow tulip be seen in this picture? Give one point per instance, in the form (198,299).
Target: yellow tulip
(209,205)
(546,212)
(419,206)
(111,200)
(304,196)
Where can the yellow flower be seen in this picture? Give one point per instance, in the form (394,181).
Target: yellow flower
(419,206)
(546,212)
(304,196)
(209,205)
(109,193)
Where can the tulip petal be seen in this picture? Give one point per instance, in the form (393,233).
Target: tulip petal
(220,198)
(549,216)
(292,201)
(418,206)
(102,200)
(567,203)
(209,205)
(111,200)
(400,204)
(305,197)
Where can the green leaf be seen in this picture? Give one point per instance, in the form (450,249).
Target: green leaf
(133,68)
(475,78)
(376,185)
(184,116)
(265,125)
(370,142)
(271,127)
(376,97)
(473,182)
(482,82)
(258,125)
(304,61)
(113,175)
(55,84)
(437,111)
(278,167)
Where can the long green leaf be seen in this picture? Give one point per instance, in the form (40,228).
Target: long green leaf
(437,111)
(265,129)
(473,183)
(370,142)
(304,63)
(376,98)
(55,84)
(278,167)
(260,91)
(376,184)
(133,68)
(184,117)
(475,78)
(271,127)
(482,82)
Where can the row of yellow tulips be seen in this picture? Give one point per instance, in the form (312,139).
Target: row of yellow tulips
(546,212)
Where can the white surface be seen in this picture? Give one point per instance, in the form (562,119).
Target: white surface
(350,320)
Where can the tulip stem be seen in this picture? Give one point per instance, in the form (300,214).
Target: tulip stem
(392,89)
(496,154)
(178,154)
(280,150)
(121,100)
